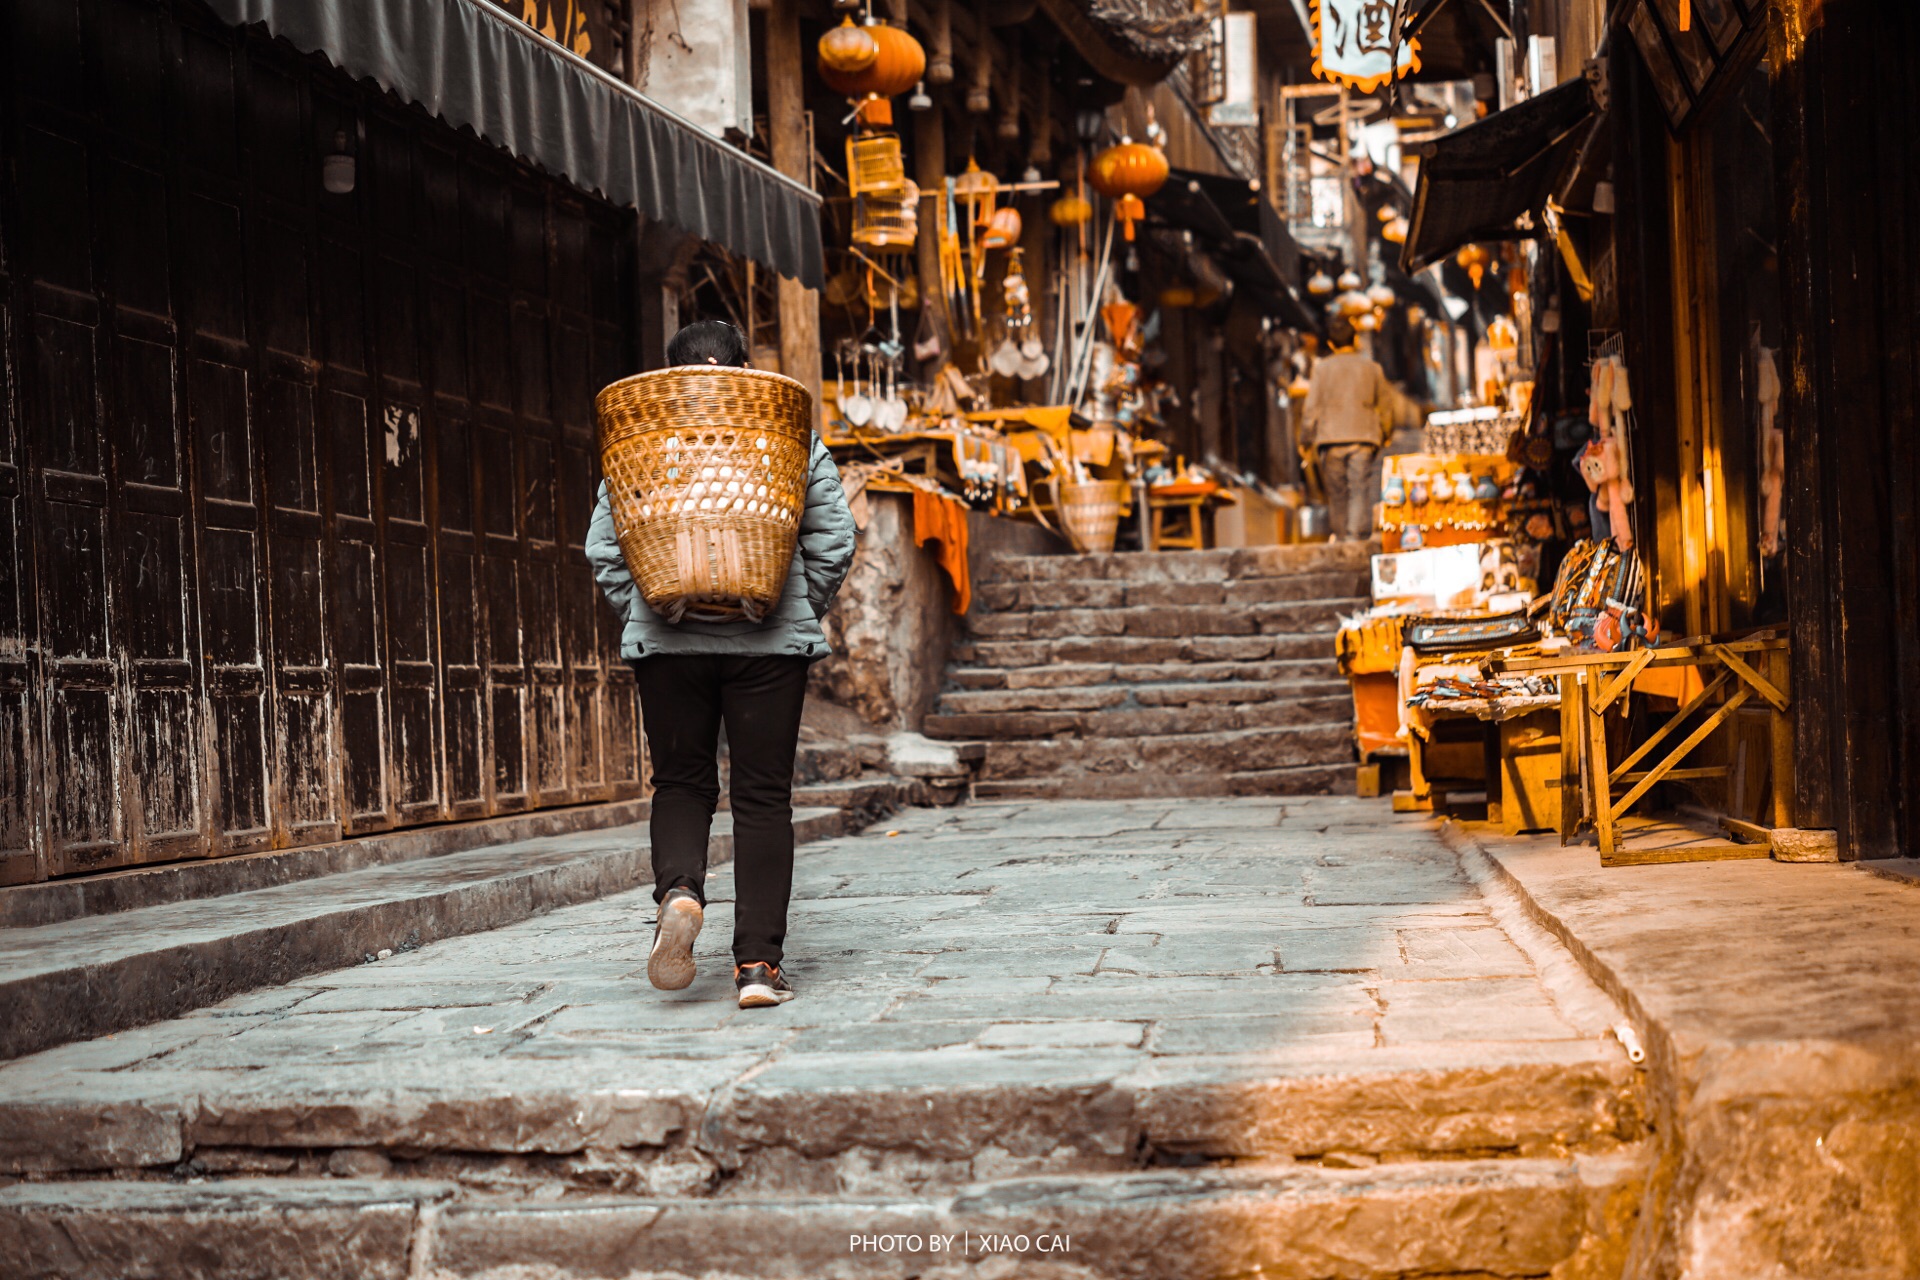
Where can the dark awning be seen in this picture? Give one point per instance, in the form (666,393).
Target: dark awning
(1243,233)
(1476,181)
(471,63)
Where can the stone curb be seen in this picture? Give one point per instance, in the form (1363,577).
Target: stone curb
(80,1000)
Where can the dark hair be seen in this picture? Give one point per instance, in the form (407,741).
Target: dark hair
(1340,332)
(708,342)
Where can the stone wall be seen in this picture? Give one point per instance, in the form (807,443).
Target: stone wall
(891,625)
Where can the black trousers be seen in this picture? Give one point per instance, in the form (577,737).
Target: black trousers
(684,698)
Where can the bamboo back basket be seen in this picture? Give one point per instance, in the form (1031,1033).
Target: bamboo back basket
(707,474)
(1090,513)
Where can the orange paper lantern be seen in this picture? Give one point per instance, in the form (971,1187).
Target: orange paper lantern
(1129,169)
(1131,209)
(1003,229)
(1070,210)
(896,68)
(847,50)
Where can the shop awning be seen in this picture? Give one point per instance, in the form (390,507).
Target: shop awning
(473,64)
(1243,234)
(1476,181)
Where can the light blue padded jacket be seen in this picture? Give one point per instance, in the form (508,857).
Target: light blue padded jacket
(820,564)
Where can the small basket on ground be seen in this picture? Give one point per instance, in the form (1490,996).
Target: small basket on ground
(707,475)
(1090,513)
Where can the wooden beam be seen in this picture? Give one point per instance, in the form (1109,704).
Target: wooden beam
(1624,681)
(787,124)
(1683,853)
(1761,685)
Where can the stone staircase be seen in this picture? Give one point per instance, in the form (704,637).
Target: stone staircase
(1182,673)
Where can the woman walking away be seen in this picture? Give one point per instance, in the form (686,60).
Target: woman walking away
(751,676)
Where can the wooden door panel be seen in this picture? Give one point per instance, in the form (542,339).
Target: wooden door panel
(223,435)
(549,737)
(239,725)
(466,732)
(83,775)
(165,743)
(363,763)
(304,731)
(508,746)
(67,435)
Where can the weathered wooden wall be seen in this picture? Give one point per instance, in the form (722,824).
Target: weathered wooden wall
(293,485)
(1849,187)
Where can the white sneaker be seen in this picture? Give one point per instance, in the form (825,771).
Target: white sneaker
(670,963)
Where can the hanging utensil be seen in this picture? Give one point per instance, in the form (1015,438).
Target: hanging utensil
(858,407)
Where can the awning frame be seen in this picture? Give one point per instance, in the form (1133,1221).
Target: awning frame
(474,65)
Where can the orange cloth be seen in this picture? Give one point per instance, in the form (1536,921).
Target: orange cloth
(943,520)
(1678,683)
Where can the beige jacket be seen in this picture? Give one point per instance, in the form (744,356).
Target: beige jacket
(1349,401)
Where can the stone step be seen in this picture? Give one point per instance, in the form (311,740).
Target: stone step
(1167,620)
(1190,566)
(1114,593)
(1146,650)
(1095,697)
(1181,755)
(1334,708)
(22,906)
(1297,780)
(683,1117)
(1062,674)
(81,978)
(1290,1222)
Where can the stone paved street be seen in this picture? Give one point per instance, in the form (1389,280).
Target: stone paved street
(1245,1014)
(1136,931)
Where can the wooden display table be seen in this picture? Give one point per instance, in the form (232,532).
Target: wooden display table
(1595,790)
(1518,745)
(1188,501)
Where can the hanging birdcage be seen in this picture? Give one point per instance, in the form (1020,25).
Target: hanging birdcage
(874,165)
(887,221)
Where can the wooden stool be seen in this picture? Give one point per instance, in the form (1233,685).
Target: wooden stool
(1189,535)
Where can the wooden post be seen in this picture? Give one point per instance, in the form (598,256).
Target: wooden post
(1599,776)
(929,171)
(1780,734)
(1570,730)
(787,126)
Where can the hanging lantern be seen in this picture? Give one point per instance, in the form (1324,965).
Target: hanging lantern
(1131,168)
(1353,303)
(1070,210)
(1395,232)
(1350,281)
(1476,260)
(1384,213)
(1367,321)
(1003,229)
(1131,209)
(1178,295)
(847,50)
(1319,284)
(895,69)
(1381,295)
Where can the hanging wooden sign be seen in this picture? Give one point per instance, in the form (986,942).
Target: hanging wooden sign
(1354,45)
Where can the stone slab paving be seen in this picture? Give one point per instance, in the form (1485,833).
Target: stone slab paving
(1003,988)
(1781,1014)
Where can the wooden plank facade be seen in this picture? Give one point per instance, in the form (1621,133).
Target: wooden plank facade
(293,485)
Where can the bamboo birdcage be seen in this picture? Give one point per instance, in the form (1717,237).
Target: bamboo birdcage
(706,473)
(874,165)
(887,221)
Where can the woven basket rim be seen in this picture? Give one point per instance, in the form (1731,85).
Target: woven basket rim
(707,370)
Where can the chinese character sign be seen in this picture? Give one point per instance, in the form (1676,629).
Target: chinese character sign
(1353,44)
